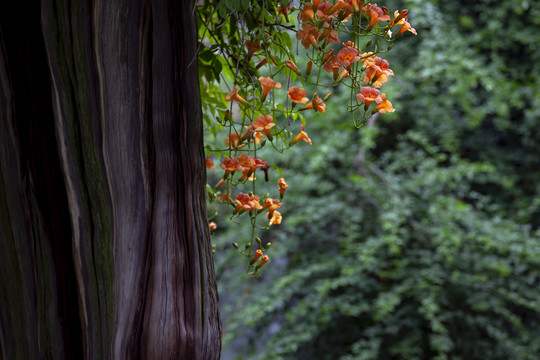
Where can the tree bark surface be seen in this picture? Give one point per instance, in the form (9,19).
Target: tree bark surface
(105,249)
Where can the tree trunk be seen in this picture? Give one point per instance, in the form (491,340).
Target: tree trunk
(105,249)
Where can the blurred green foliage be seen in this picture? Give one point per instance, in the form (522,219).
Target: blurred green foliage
(416,237)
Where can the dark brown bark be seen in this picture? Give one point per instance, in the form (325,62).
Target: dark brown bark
(105,249)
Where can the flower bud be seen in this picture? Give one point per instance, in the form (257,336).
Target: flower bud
(258,254)
(308,68)
(264,260)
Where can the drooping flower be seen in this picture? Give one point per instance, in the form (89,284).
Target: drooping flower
(385,106)
(263,124)
(275,218)
(233,96)
(210,163)
(291,65)
(234,140)
(329,33)
(405,27)
(230,165)
(307,13)
(301,136)
(309,35)
(226,197)
(256,136)
(398,15)
(378,72)
(282,186)
(272,205)
(268,84)
(317,104)
(245,202)
(246,162)
(375,15)
(367,95)
(253,47)
(297,95)
(220,183)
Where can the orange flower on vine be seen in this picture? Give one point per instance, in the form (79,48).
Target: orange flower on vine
(301,136)
(268,84)
(210,163)
(297,95)
(375,15)
(275,218)
(264,124)
(282,186)
(385,106)
(230,165)
(347,56)
(234,140)
(245,202)
(317,104)
(233,96)
(368,95)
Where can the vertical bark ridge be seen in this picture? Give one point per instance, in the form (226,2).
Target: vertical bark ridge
(102,203)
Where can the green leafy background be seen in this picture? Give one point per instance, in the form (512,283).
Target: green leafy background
(415,237)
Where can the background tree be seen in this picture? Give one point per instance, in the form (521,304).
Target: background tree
(105,248)
(416,237)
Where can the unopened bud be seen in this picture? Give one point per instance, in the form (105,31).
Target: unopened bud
(264,260)
(327,96)
(308,68)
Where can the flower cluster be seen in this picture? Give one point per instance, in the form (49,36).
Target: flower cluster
(258,118)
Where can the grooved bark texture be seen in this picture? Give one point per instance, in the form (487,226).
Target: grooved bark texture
(105,250)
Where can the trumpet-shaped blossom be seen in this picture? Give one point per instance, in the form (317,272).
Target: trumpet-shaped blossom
(291,65)
(297,95)
(385,106)
(347,56)
(309,35)
(378,73)
(368,95)
(317,104)
(282,186)
(256,136)
(405,27)
(253,47)
(301,136)
(263,124)
(234,140)
(375,15)
(272,205)
(268,84)
(230,165)
(210,163)
(275,218)
(245,202)
(233,96)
